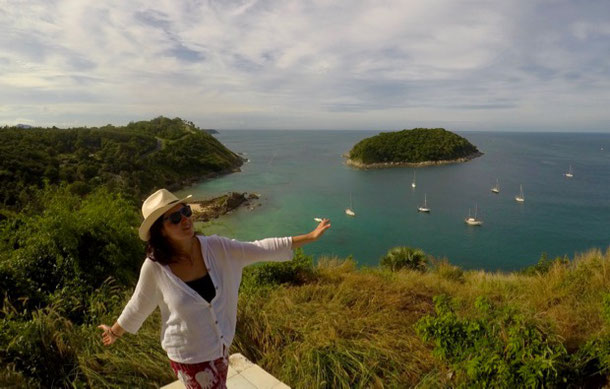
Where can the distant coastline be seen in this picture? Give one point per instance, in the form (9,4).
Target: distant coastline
(384,165)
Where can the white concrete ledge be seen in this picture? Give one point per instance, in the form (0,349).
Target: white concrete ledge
(243,374)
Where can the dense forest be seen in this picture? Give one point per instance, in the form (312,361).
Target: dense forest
(133,159)
(412,146)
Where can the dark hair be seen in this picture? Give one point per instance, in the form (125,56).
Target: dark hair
(158,248)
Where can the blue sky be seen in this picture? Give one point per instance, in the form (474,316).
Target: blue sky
(377,65)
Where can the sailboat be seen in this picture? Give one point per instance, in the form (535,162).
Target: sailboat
(413,182)
(496,189)
(569,173)
(473,221)
(424,208)
(520,197)
(349,211)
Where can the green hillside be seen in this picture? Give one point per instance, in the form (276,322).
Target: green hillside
(412,146)
(134,159)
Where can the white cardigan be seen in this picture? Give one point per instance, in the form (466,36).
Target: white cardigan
(192,329)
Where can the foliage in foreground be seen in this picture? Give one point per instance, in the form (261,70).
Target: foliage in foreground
(497,348)
(404,258)
(376,327)
(64,264)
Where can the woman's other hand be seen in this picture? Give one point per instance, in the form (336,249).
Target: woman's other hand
(108,336)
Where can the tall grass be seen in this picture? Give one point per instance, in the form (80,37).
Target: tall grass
(355,327)
(326,325)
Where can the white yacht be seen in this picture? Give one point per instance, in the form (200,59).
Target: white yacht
(424,208)
(349,211)
(473,221)
(520,198)
(413,182)
(569,173)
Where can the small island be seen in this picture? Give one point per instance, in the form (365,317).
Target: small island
(416,147)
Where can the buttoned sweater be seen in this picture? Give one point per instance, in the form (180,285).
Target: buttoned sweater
(193,330)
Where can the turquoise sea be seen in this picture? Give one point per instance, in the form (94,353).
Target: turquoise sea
(301,175)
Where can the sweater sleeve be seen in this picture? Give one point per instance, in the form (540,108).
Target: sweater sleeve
(143,301)
(264,250)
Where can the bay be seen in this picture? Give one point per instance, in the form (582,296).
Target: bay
(301,175)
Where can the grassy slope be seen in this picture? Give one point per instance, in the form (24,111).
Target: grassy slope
(352,327)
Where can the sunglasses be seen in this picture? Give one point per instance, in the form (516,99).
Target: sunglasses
(176,217)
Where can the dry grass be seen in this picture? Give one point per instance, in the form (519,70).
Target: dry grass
(354,328)
(351,327)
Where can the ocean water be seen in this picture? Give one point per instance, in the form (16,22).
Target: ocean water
(301,175)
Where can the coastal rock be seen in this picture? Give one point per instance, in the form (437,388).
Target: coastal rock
(206,210)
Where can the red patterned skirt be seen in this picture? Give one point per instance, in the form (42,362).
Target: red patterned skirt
(204,375)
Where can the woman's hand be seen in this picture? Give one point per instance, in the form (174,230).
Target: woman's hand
(320,229)
(301,240)
(108,336)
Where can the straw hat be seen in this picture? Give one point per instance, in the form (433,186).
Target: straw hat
(156,205)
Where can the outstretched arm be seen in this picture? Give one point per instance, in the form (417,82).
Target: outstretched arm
(301,240)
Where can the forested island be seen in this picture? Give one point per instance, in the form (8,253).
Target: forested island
(416,147)
(133,159)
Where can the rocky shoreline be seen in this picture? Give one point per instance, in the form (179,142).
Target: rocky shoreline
(383,165)
(206,210)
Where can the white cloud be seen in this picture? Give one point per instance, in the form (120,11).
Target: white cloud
(294,64)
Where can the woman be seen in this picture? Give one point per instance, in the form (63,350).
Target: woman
(194,280)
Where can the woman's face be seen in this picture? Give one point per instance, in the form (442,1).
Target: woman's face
(182,230)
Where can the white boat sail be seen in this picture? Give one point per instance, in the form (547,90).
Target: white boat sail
(473,221)
(496,189)
(349,211)
(520,197)
(569,173)
(413,182)
(424,208)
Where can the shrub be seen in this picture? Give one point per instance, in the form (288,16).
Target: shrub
(499,348)
(295,272)
(606,308)
(41,348)
(544,265)
(11,378)
(55,266)
(404,258)
(78,242)
(449,272)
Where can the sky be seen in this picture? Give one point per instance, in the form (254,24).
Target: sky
(492,65)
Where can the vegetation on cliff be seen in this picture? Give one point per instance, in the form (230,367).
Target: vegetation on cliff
(418,145)
(133,159)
